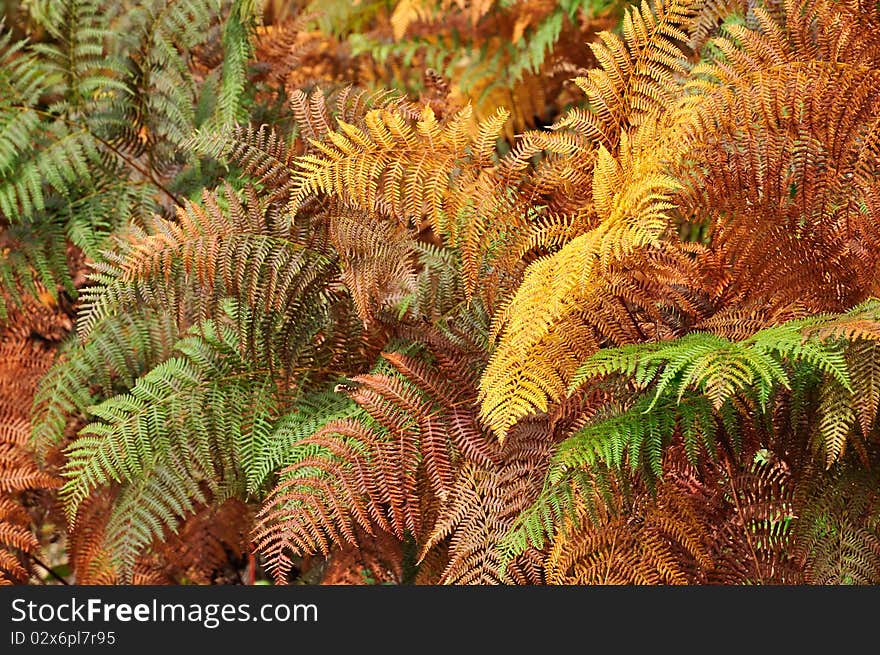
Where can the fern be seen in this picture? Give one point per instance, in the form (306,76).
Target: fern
(661,140)
(719,370)
(274,280)
(495,54)
(91,124)
(554,288)
(691,388)
(637,346)
(204,402)
(836,540)
(411,462)
(119,352)
(26,489)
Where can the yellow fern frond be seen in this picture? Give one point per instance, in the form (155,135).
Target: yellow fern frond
(401,167)
(638,74)
(525,373)
(407,12)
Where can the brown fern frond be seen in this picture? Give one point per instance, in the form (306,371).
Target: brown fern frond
(89,558)
(483,506)
(773,154)
(754,543)
(210,546)
(311,113)
(279,47)
(658,539)
(207,548)
(417,465)
(26,352)
(354,479)
(377,259)
(263,154)
(709,16)
(836,534)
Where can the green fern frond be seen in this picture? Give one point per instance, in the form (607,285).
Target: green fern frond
(277,447)
(91,121)
(237,50)
(187,428)
(564,492)
(78,59)
(719,368)
(119,350)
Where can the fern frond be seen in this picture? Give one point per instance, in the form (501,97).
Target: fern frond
(120,349)
(528,368)
(605,544)
(414,463)
(23,484)
(393,166)
(836,539)
(205,403)
(239,253)
(638,73)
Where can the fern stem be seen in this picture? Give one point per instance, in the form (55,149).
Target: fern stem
(48,568)
(146,172)
(739,511)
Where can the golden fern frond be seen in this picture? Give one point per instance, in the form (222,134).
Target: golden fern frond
(398,167)
(547,234)
(638,74)
(529,367)
(268,155)
(409,11)
(423,171)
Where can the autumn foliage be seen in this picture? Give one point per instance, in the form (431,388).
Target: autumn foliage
(435,292)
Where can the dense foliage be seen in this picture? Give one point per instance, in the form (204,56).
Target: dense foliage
(421,291)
